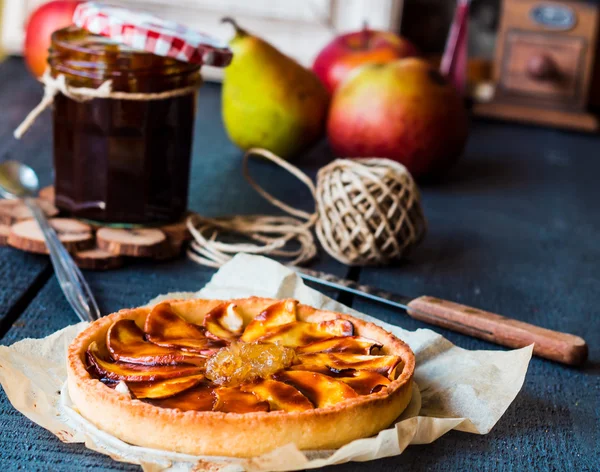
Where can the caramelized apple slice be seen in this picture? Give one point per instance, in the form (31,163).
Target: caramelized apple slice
(350,344)
(233,400)
(126,343)
(136,372)
(198,398)
(301,333)
(341,361)
(320,389)
(225,322)
(280,396)
(278,314)
(166,328)
(365,382)
(164,389)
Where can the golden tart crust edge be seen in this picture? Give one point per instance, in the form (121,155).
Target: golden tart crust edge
(235,434)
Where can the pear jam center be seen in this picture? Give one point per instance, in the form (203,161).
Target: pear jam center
(245,362)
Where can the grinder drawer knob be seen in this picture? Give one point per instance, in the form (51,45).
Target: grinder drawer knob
(542,67)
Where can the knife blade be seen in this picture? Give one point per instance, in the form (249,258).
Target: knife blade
(553,345)
(377,295)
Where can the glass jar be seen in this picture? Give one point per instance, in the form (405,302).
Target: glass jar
(118,160)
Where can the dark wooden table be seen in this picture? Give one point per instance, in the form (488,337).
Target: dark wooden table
(514,230)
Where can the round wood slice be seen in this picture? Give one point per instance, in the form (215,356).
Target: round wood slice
(12,211)
(178,232)
(47,194)
(4,232)
(143,242)
(97,259)
(171,250)
(27,235)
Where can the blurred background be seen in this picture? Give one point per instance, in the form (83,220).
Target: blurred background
(300,27)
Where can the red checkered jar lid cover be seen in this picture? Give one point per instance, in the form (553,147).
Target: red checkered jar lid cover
(144,32)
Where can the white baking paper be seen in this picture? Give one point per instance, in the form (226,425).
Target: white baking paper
(457,389)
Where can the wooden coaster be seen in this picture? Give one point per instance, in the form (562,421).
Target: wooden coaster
(12,211)
(94,246)
(47,194)
(143,242)
(178,232)
(97,259)
(171,250)
(27,235)
(4,232)
(177,235)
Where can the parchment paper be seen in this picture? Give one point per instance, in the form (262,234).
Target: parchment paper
(457,389)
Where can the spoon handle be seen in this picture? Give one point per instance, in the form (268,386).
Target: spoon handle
(69,276)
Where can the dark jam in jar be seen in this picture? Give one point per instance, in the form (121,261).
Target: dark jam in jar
(121,161)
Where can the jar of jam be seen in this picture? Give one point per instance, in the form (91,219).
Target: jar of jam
(121,160)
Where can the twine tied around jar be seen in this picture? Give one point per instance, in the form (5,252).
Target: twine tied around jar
(55,85)
(367,211)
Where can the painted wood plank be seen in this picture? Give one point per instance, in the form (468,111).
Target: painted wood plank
(515,232)
(19,271)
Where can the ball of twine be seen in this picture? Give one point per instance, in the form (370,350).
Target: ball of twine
(369,211)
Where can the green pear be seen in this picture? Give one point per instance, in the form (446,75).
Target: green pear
(269,100)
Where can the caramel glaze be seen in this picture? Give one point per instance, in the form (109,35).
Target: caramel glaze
(302,386)
(199,398)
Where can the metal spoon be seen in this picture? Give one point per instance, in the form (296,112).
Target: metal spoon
(18,181)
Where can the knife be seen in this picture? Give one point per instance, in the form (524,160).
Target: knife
(554,345)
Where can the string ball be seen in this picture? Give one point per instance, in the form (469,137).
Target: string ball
(369,211)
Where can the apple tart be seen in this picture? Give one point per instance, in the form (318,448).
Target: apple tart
(238,377)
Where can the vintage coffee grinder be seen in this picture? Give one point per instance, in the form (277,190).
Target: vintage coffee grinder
(547,64)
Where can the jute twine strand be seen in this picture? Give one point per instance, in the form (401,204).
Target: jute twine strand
(289,237)
(368,212)
(55,85)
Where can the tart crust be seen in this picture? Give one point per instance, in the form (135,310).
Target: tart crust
(235,434)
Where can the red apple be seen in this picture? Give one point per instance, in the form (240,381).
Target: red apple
(42,23)
(405,111)
(349,51)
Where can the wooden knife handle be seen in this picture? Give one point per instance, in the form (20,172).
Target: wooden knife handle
(553,345)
